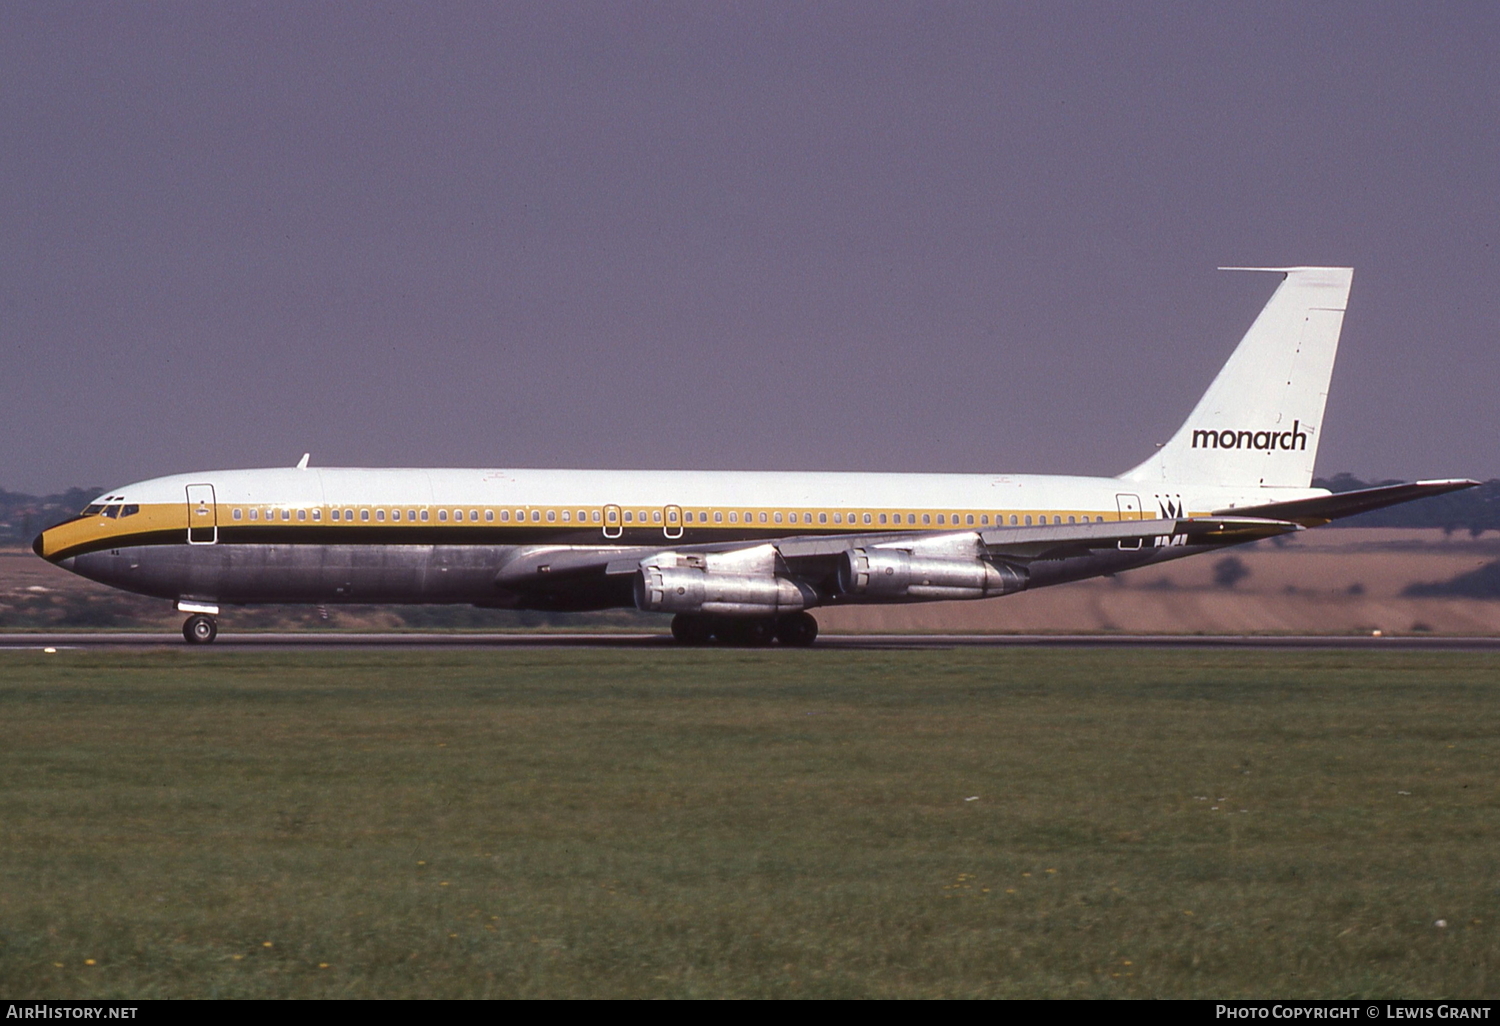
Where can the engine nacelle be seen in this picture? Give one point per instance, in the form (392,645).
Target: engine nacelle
(686,589)
(895,575)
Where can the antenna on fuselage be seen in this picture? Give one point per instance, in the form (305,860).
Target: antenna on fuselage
(302,463)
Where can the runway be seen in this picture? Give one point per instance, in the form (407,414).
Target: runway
(463,640)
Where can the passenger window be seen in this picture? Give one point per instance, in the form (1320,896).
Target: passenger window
(970,519)
(255,514)
(1071,520)
(505,516)
(926,518)
(777,516)
(236,514)
(442,514)
(629,516)
(551,516)
(583,516)
(395,514)
(1028,520)
(734,518)
(364,514)
(1012,520)
(567,515)
(302,514)
(424,515)
(822,518)
(882,518)
(940,518)
(838,518)
(318,515)
(380,514)
(348,514)
(656,516)
(984,519)
(286,514)
(536,516)
(596,516)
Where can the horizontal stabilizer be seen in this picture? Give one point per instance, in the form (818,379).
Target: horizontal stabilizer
(1320,510)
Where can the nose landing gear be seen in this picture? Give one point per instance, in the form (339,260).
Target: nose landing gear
(200,629)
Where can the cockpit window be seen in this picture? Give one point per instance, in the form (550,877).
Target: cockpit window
(92,508)
(130,509)
(112,510)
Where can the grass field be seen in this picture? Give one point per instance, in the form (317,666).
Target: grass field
(736,823)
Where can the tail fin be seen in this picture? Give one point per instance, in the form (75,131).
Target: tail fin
(1258,423)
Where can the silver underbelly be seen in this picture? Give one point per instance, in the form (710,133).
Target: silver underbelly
(302,573)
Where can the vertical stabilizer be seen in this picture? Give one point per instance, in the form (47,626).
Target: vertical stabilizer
(1259,422)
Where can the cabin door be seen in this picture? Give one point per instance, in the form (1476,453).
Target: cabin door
(673,526)
(612,525)
(203,515)
(1130,509)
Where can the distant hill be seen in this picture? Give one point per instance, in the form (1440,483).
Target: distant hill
(1476,510)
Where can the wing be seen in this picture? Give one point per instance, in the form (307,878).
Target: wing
(572,577)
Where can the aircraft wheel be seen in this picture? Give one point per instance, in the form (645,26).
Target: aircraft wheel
(746,633)
(200,630)
(799,629)
(689,630)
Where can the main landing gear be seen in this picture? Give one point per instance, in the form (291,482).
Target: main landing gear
(200,629)
(796,629)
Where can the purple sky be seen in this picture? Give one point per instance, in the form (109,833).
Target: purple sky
(760,236)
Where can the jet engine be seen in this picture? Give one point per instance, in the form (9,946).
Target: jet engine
(740,583)
(896,575)
(660,589)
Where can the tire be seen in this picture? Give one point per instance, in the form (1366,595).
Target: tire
(745,633)
(689,630)
(799,629)
(200,630)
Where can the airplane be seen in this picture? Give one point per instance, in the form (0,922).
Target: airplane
(741,557)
